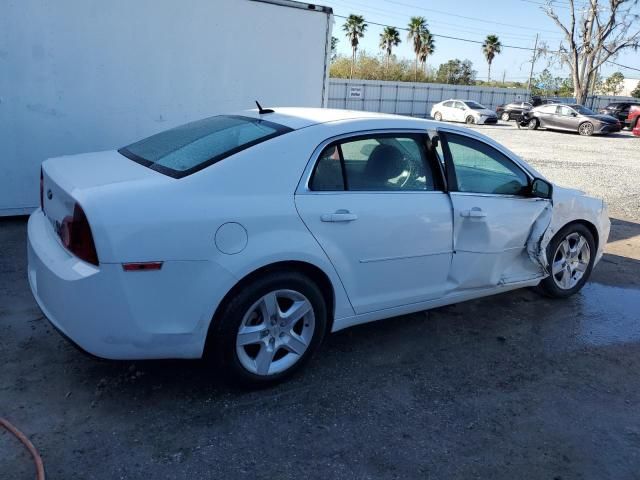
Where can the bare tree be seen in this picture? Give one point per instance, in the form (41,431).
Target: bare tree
(595,32)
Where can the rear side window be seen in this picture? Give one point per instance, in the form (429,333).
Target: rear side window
(376,163)
(186,149)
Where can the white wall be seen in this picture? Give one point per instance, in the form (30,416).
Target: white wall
(86,75)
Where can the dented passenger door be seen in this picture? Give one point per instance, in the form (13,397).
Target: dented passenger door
(493,215)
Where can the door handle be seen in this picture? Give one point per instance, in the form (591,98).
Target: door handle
(475,212)
(339,216)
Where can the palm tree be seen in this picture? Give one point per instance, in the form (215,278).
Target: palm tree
(389,38)
(354,29)
(491,47)
(427,48)
(417,26)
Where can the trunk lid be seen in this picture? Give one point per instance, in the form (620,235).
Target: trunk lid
(65,177)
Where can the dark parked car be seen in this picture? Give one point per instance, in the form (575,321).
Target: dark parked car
(536,101)
(619,110)
(574,118)
(513,110)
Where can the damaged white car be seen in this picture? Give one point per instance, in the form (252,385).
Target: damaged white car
(251,236)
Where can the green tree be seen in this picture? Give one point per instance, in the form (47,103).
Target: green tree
(565,87)
(456,72)
(417,28)
(334,48)
(354,29)
(389,38)
(636,92)
(491,47)
(545,84)
(613,84)
(427,47)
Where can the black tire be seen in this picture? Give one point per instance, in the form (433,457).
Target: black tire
(505,116)
(549,286)
(533,124)
(470,120)
(586,129)
(221,342)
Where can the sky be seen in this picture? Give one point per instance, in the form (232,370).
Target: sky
(516,23)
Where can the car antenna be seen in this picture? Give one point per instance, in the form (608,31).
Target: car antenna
(261,110)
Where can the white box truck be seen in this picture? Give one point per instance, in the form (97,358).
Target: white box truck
(88,75)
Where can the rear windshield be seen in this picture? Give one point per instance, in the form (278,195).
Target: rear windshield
(186,149)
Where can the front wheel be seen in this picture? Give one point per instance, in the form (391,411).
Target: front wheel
(571,254)
(533,124)
(470,120)
(586,129)
(270,329)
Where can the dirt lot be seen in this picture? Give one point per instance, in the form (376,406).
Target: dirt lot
(512,386)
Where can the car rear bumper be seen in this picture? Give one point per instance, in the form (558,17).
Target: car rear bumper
(115,314)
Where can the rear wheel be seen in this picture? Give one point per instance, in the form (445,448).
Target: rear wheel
(269,329)
(571,254)
(586,129)
(505,116)
(437,116)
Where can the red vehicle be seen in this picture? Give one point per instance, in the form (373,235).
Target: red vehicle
(633,119)
(636,131)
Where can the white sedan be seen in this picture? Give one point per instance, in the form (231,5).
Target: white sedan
(251,236)
(466,111)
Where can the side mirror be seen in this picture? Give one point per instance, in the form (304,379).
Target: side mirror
(574,114)
(541,188)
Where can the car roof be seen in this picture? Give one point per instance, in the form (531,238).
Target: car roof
(300,117)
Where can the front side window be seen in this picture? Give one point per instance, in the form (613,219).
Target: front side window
(565,111)
(188,148)
(375,163)
(480,168)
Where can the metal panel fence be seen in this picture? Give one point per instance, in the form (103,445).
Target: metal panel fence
(416,99)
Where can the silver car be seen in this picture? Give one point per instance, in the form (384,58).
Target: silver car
(573,118)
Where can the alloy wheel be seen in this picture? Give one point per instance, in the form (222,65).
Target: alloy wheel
(505,117)
(275,332)
(570,261)
(470,120)
(438,116)
(586,129)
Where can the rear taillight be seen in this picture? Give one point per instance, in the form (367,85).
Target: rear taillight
(41,190)
(76,236)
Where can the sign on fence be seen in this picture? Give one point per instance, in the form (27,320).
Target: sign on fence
(355,92)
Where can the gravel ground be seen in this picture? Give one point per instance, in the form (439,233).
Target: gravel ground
(510,386)
(604,166)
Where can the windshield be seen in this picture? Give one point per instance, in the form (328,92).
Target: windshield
(475,106)
(582,110)
(188,148)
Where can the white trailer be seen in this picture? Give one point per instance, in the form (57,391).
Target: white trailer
(88,75)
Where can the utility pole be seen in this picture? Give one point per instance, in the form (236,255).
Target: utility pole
(504,74)
(533,62)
